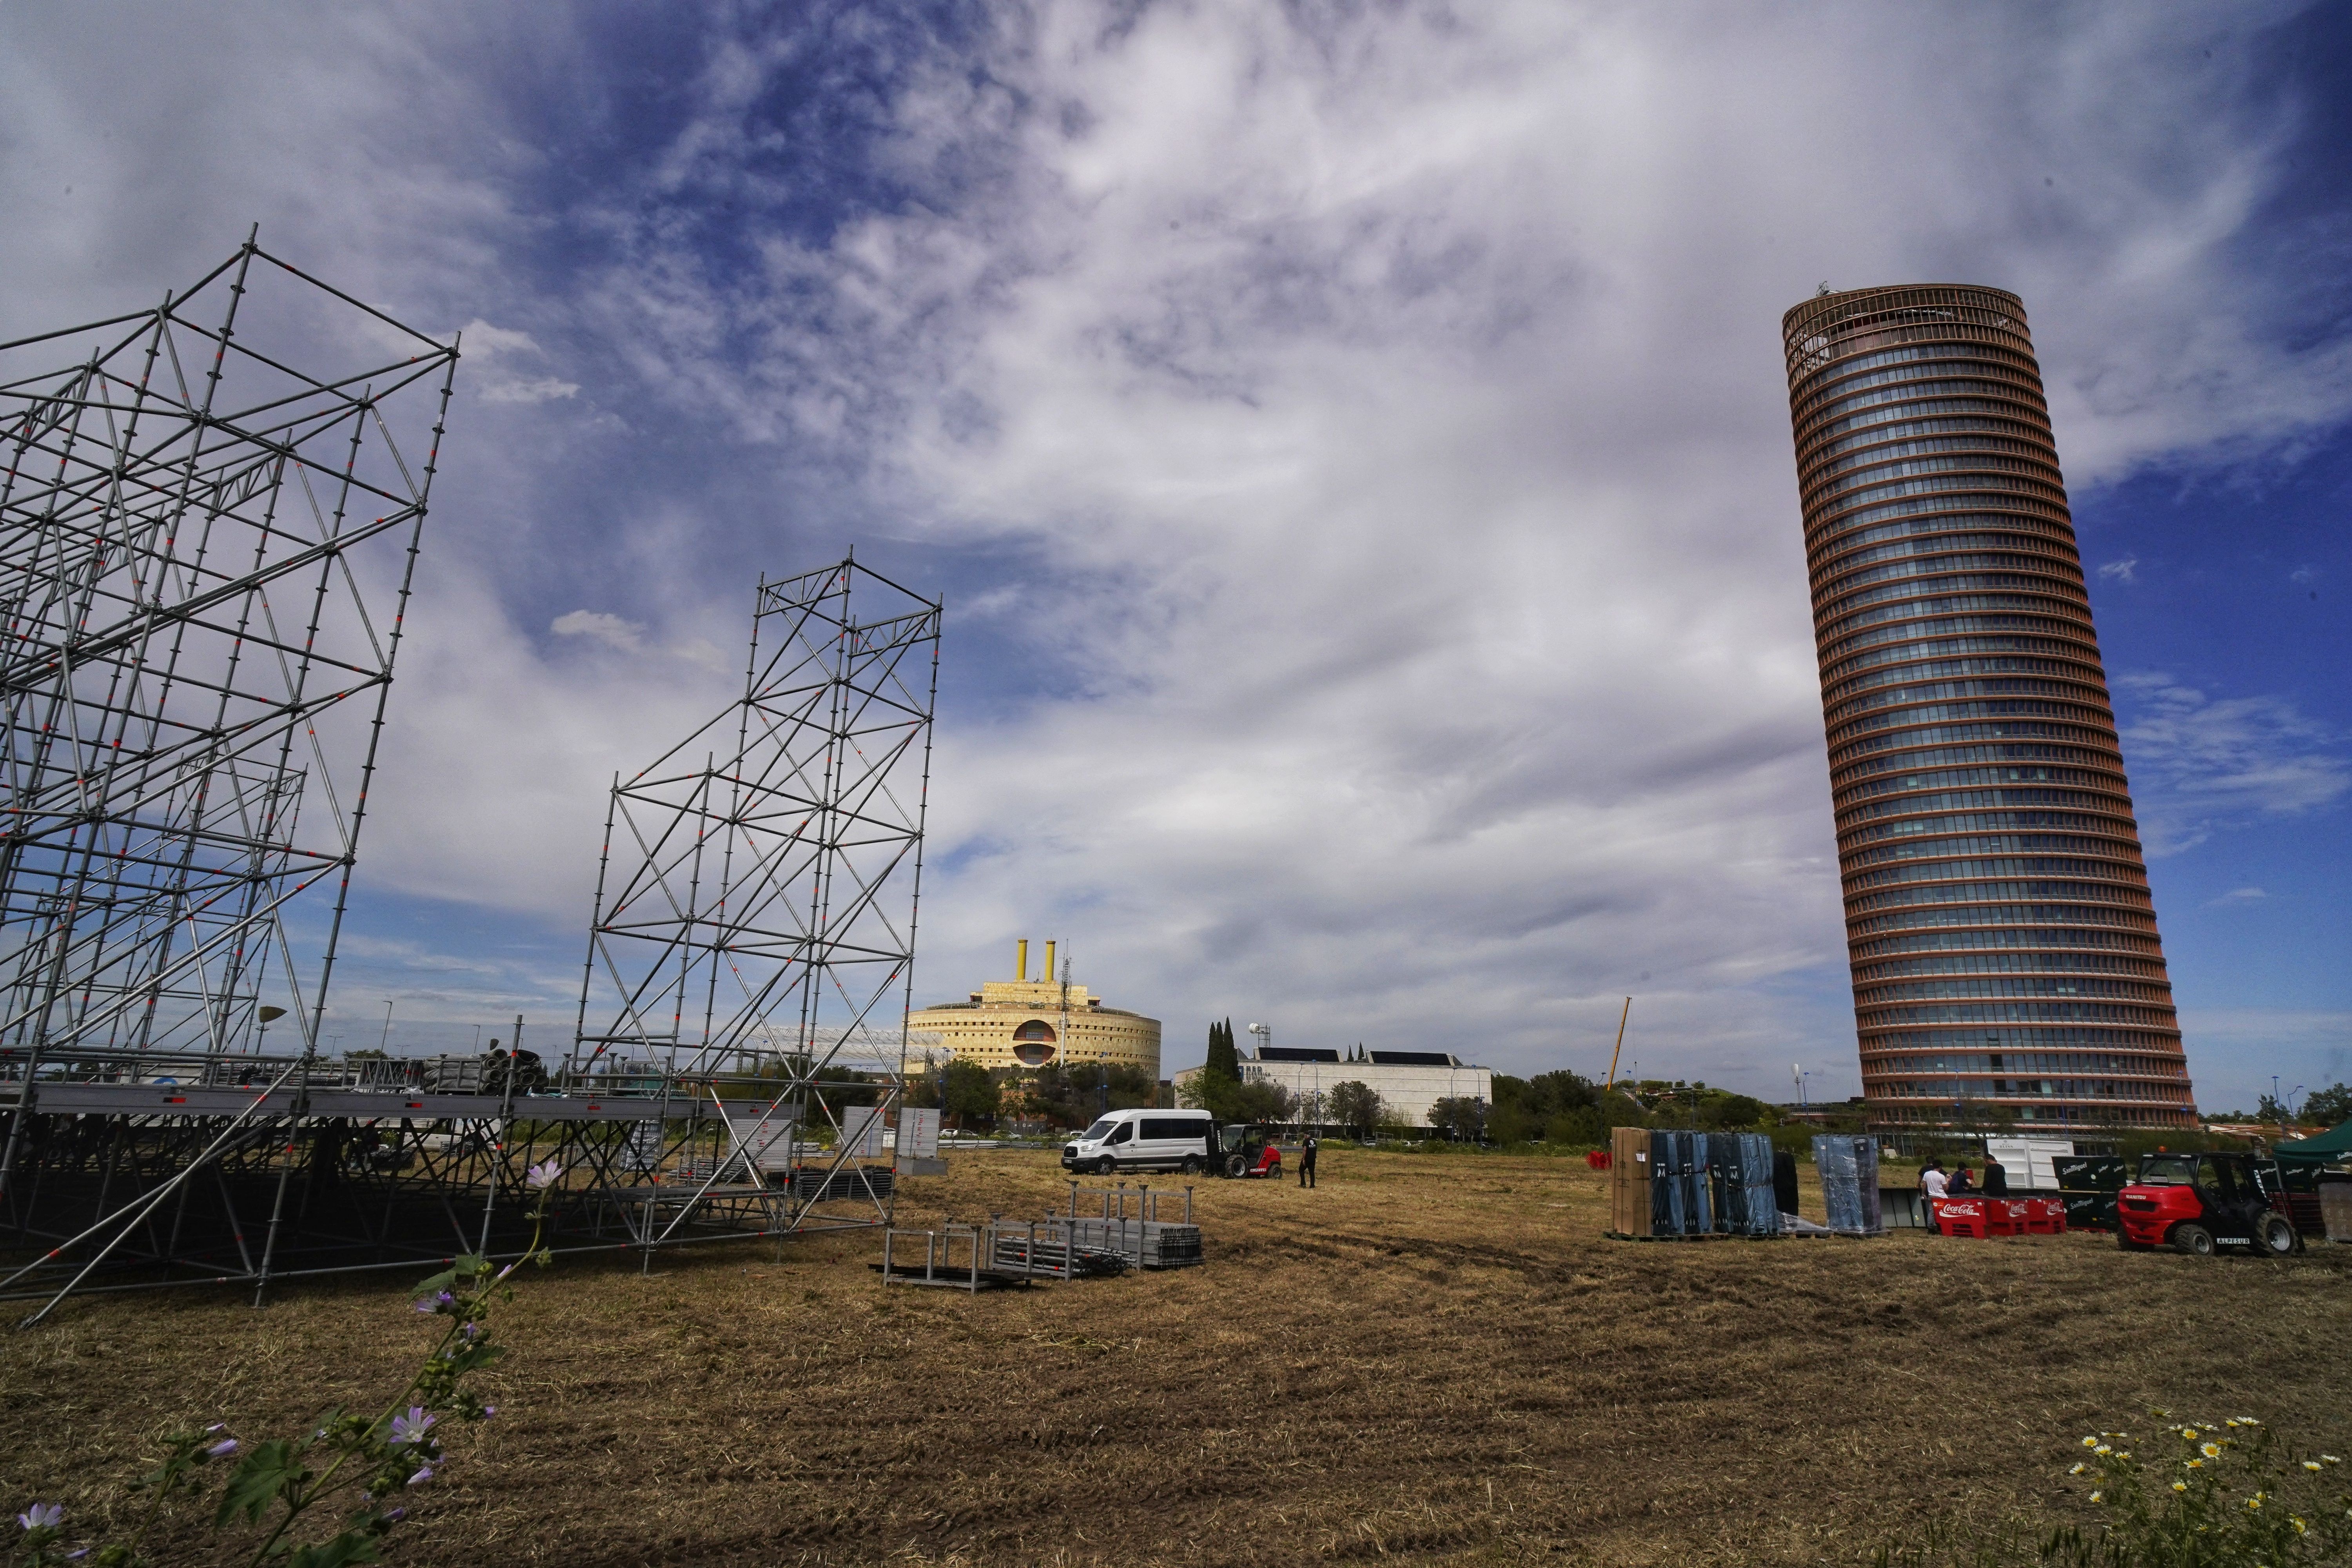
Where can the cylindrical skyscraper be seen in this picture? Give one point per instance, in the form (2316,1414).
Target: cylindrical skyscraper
(2006,962)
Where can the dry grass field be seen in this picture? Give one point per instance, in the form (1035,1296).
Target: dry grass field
(1429,1359)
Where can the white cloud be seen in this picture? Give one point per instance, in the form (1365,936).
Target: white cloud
(2121,571)
(1386,404)
(2238,896)
(2199,764)
(485,346)
(526,389)
(599,627)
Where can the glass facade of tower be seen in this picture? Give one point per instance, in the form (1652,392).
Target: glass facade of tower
(2006,962)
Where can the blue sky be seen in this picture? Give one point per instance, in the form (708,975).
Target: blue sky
(1351,441)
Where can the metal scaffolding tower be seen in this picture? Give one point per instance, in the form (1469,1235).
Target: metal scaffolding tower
(756,906)
(205,554)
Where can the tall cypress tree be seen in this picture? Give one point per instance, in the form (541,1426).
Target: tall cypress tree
(1223,1062)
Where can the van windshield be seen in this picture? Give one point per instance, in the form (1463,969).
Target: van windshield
(1098,1131)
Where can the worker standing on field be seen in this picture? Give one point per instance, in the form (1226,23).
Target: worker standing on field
(1306,1162)
(1995,1178)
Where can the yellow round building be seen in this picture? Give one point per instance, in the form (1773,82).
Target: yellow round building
(1037,1023)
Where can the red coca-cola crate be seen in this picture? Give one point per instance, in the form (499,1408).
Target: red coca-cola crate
(1957,1216)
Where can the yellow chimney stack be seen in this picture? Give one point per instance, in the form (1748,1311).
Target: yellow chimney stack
(1050,971)
(1021,959)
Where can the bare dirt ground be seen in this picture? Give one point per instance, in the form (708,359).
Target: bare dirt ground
(1428,1359)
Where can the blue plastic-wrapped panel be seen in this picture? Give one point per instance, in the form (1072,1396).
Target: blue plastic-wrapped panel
(1756,1180)
(1666,1185)
(1679,1205)
(1723,1183)
(1696,1185)
(1849,1171)
(1747,1202)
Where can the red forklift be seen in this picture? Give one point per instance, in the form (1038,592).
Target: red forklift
(1244,1149)
(2203,1204)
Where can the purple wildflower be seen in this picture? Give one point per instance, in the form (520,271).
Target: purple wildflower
(393,1516)
(489,1411)
(542,1176)
(423,1474)
(222,1449)
(43,1516)
(411,1428)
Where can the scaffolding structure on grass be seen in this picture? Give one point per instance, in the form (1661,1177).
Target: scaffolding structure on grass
(205,560)
(190,534)
(765,991)
(757,898)
(206,555)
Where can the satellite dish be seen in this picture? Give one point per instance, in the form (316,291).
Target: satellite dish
(271,1015)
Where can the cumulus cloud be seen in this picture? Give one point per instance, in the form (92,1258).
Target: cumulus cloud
(1353,444)
(2121,571)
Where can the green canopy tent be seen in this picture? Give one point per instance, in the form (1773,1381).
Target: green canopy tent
(2333,1147)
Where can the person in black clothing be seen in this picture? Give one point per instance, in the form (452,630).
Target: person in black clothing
(1306,1162)
(1962,1181)
(1995,1178)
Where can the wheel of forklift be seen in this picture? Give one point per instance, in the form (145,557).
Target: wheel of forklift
(2192,1239)
(1236,1165)
(2274,1235)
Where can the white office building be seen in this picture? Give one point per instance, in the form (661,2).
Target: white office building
(1408,1082)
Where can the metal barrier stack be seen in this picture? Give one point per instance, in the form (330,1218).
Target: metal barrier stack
(1144,1237)
(1067,1243)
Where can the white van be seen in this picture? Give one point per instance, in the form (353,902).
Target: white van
(1144,1141)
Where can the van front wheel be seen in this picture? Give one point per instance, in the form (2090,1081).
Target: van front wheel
(1107,1166)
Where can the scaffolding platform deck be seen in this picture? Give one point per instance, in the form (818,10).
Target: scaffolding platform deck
(72,1099)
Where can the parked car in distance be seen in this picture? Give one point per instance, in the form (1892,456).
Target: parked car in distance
(1143,1140)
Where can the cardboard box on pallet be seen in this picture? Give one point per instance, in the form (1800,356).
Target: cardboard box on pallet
(1629,1181)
